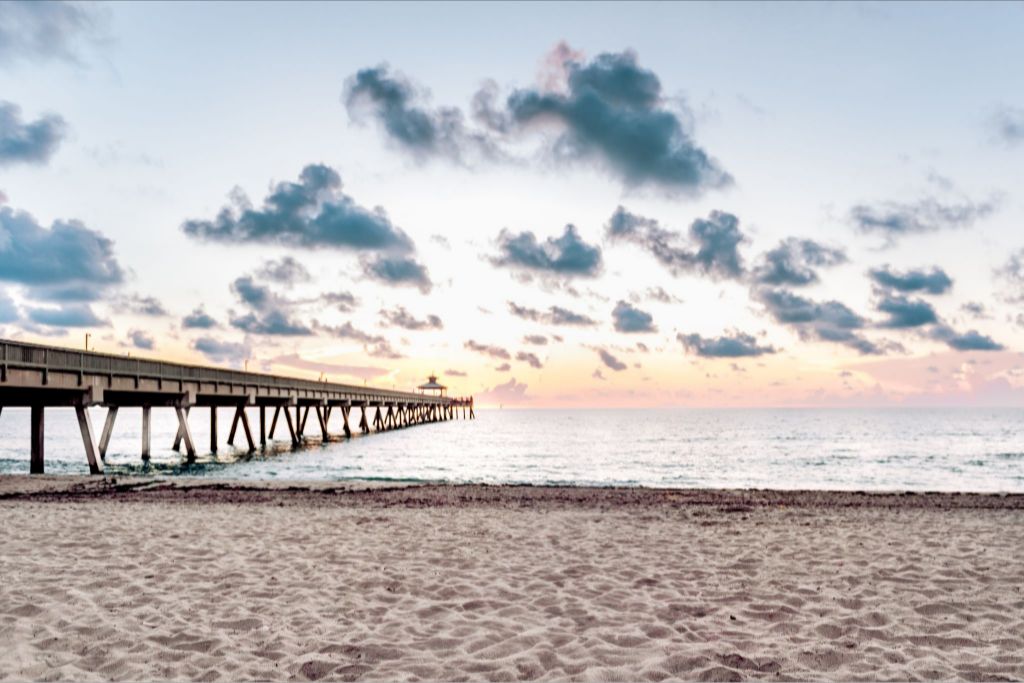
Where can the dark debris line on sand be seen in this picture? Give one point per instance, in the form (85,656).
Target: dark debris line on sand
(57,489)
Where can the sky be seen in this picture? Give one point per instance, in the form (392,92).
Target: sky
(547,205)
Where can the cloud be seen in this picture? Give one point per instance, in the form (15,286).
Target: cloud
(28,143)
(739,345)
(399,317)
(454,373)
(829,321)
(398,271)
(68,261)
(897,219)
(611,361)
(39,31)
(660,295)
(268,312)
(535,339)
(70,315)
(374,344)
(568,255)
(555,315)
(1007,125)
(1013,273)
(141,339)
(509,392)
(144,305)
(793,263)
(975,309)
(905,313)
(361,371)
(597,374)
(611,111)
(8,310)
(716,241)
(934,281)
(343,301)
(423,132)
(504,367)
(221,352)
(285,271)
(530,359)
(967,341)
(492,351)
(311,213)
(198,319)
(628,319)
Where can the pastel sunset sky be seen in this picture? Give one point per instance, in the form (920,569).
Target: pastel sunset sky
(545,204)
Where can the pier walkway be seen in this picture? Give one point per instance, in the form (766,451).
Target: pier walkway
(39,377)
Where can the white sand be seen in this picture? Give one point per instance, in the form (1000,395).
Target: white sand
(290,586)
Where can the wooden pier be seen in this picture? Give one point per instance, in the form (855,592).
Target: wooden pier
(41,377)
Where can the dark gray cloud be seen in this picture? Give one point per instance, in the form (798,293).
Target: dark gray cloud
(268,313)
(904,313)
(934,281)
(529,358)
(141,339)
(966,341)
(610,361)
(28,142)
(424,132)
(712,247)
(628,319)
(69,315)
(829,321)
(400,317)
(555,315)
(738,345)
(1007,125)
(313,212)
(398,271)
(222,352)
(610,111)
(568,255)
(794,261)
(40,31)
(535,339)
(487,350)
(284,271)
(67,257)
(897,219)
(198,319)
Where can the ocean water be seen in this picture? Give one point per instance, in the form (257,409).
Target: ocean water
(859,449)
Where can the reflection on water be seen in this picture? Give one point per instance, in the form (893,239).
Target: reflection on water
(917,449)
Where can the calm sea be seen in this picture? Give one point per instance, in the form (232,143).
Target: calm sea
(892,449)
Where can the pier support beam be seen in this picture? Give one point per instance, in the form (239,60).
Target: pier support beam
(181,433)
(184,433)
(146,410)
(344,414)
(213,429)
(244,418)
(95,464)
(108,429)
(323,423)
(36,464)
(291,427)
(273,421)
(263,426)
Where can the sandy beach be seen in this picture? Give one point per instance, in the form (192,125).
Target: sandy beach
(172,580)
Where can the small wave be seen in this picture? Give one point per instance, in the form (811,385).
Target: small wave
(1009,456)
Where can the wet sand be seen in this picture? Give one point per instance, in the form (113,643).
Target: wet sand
(171,580)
